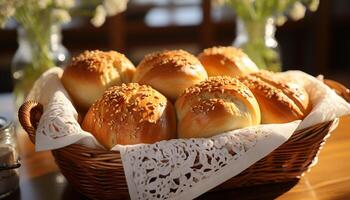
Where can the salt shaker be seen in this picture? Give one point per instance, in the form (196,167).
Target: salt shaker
(9,160)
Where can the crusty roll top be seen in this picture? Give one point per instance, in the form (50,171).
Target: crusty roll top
(214,106)
(92,72)
(131,114)
(293,90)
(279,101)
(226,61)
(170,72)
(102,66)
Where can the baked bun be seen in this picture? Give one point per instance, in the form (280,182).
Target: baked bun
(92,72)
(131,114)
(226,61)
(170,72)
(214,106)
(279,101)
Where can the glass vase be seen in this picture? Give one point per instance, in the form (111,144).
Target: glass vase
(257,39)
(36,53)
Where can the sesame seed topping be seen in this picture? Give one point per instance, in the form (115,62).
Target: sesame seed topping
(123,104)
(102,65)
(274,87)
(257,85)
(96,61)
(220,85)
(178,58)
(208,95)
(228,53)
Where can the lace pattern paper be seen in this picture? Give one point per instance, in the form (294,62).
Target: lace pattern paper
(179,169)
(184,169)
(58,126)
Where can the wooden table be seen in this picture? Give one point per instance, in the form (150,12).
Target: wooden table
(329,179)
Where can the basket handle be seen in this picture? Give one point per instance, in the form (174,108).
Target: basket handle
(29,115)
(339,88)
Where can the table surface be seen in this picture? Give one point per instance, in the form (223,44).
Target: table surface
(329,179)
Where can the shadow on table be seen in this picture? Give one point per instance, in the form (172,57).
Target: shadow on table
(54,186)
(70,193)
(268,191)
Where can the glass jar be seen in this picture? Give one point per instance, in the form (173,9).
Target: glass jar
(9,159)
(257,39)
(36,53)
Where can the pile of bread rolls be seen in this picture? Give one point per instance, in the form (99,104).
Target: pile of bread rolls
(174,94)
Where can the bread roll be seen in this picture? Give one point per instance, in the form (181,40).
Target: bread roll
(131,114)
(92,72)
(226,61)
(279,101)
(214,106)
(170,72)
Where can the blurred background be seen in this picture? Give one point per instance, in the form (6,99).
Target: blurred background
(318,44)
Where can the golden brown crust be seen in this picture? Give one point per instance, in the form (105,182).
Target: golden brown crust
(293,90)
(214,106)
(226,61)
(170,72)
(131,114)
(279,101)
(92,72)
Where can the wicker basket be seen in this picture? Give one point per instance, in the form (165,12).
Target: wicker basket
(99,174)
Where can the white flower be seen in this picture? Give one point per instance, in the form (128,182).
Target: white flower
(43,3)
(99,17)
(61,15)
(64,3)
(314,5)
(114,7)
(280,20)
(108,8)
(298,11)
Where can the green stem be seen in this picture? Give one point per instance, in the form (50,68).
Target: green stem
(265,57)
(37,28)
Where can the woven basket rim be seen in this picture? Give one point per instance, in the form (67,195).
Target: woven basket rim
(106,151)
